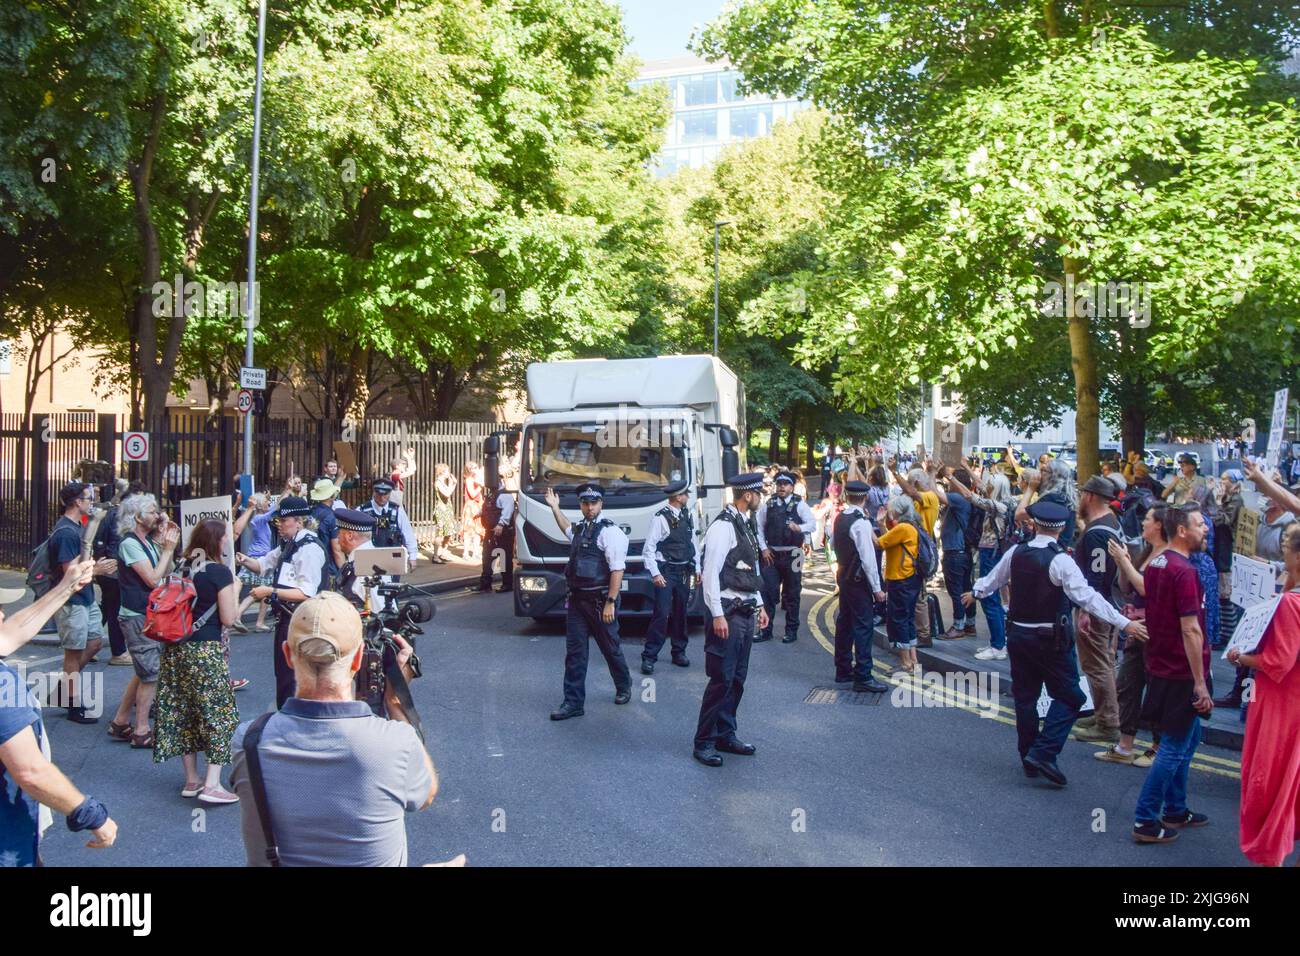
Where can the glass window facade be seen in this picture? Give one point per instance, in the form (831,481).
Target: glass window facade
(699,127)
(700,90)
(747,122)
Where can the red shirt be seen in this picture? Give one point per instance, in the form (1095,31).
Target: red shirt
(1173,592)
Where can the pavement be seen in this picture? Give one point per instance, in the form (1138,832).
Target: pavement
(839,778)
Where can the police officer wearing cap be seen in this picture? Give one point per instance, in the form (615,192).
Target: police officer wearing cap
(670,559)
(499,534)
(392,526)
(1045,580)
(300,567)
(858,579)
(783,520)
(597,559)
(732,584)
(356,537)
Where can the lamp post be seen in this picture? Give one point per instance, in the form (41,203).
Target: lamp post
(251,305)
(716,227)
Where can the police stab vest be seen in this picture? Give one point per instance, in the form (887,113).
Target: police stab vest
(290,548)
(588,569)
(386,534)
(679,546)
(776,528)
(1034,598)
(740,567)
(848,569)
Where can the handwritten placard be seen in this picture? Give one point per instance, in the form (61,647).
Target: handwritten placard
(195,510)
(1252,581)
(1244,541)
(1251,627)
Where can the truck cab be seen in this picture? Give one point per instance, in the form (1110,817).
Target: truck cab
(633,425)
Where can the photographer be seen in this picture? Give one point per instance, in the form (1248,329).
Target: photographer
(363,772)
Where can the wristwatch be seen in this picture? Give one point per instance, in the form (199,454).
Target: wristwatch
(610,600)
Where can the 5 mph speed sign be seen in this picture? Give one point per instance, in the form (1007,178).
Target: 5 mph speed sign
(135,446)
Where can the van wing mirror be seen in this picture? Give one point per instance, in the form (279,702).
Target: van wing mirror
(730,464)
(728,437)
(491,470)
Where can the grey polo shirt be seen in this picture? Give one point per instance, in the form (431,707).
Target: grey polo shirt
(340,782)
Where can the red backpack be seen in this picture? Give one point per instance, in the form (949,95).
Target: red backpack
(169,616)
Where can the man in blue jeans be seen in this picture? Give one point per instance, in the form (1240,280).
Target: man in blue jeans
(1177,662)
(1045,581)
(953,531)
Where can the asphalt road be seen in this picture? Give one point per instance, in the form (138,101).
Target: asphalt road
(852,782)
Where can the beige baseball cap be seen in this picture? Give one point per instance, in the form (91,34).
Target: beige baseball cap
(9,595)
(329,618)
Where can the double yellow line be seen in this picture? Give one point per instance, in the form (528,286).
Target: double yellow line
(1209,763)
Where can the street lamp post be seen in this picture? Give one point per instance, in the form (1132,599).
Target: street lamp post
(716,227)
(251,305)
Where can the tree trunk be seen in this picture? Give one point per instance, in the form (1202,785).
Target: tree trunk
(1083,361)
(774,444)
(792,447)
(1133,428)
(155,377)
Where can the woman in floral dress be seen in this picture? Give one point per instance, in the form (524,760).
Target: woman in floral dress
(444,517)
(469,513)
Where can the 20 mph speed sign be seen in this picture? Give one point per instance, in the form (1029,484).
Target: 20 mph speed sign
(135,446)
(245,403)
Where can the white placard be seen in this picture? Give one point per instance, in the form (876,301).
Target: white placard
(194,510)
(1251,627)
(135,446)
(1277,427)
(1044,701)
(252,377)
(1252,581)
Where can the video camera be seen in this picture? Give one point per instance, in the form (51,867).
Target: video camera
(379,667)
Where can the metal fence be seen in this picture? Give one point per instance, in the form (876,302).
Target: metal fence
(197,457)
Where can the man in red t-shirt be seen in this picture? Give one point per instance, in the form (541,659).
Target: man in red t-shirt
(1178,665)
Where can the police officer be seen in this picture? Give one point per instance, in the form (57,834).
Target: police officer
(670,559)
(356,537)
(300,570)
(498,533)
(732,584)
(392,526)
(597,559)
(858,579)
(783,520)
(1040,640)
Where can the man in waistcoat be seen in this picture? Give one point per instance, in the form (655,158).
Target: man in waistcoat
(671,560)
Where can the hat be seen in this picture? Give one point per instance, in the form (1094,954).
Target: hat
(749,482)
(382,487)
(786,477)
(327,617)
(675,487)
(1117,479)
(9,595)
(590,491)
(856,488)
(293,506)
(1234,474)
(349,519)
(1101,487)
(324,490)
(1185,457)
(1048,514)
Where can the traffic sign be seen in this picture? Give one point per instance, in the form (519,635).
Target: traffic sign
(135,446)
(252,377)
(245,403)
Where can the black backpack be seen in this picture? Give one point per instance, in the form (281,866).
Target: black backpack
(974,529)
(40,571)
(1133,508)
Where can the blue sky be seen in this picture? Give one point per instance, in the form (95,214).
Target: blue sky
(661,28)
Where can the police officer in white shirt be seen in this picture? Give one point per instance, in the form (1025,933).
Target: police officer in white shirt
(732,585)
(392,525)
(500,537)
(594,574)
(1045,581)
(670,558)
(783,520)
(300,572)
(858,579)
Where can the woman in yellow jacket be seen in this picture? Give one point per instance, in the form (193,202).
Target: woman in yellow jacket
(902,581)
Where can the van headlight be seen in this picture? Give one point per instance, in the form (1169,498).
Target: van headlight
(532,584)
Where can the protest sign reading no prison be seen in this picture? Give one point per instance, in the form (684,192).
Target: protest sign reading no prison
(194,510)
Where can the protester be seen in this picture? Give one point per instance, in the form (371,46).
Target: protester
(471,538)
(81,628)
(955,538)
(1132,679)
(827,510)
(1094,638)
(919,486)
(1054,483)
(110,599)
(28,780)
(1178,665)
(1270,759)
(322,521)
(998,506)
(196,708)
(257,516)
(363,773)
(444,517)
(342,482)
(149,540)
(903,583)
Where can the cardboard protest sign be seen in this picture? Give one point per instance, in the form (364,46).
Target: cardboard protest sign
(346,458)
(194,510)
(1251,627)
(1252,581)
(1247,532)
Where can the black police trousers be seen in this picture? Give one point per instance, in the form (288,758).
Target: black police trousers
(853,633)
(285,682)
(727,663)
(505,540)
(783,579)
(669,619)
(583,621)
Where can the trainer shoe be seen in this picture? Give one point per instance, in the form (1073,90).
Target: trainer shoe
(120,660)
(990,654)
(1145,759)
(1112,754)
(1153,833)
(1187,819)
(1097,733)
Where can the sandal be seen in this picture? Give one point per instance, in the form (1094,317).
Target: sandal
(119,731)
(239,684)
(142,741)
